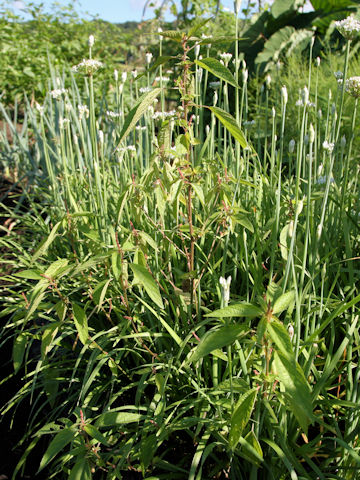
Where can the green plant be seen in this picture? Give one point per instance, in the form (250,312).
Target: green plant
(186,294)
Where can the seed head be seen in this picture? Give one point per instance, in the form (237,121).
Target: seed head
(91,41)
(352,86)
(349,27)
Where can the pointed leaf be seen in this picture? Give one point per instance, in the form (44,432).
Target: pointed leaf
(241,416)
(43,248)
(149,284)
(57,444)
(283,302)
(215,67)
(94,433)
(230,124)
(280,336)
(297,390)
(219,338)
(19,350)
(81,323)
(81,470)
(109,419)
(28,274)
(237,310)
(137,112)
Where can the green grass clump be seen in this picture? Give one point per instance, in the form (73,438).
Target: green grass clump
(186,287)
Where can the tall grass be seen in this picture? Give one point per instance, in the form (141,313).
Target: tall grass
(130,347)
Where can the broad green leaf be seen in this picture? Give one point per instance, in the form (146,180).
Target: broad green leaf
(46,244)
(215,67)
(149,284)
(279,7)
(280,336)
(137,112)
(297,390)
(47,338)
(57,268)
(19,350)
(109,419)
(230,124)
(237,310)
(94,433)
(283,302)
(81,470)
(81,323)
(100,292)
(253,442)
(28,274)
(199,193)
(244,221)
(148,448)
(219,338)
(57,444)
(241,416)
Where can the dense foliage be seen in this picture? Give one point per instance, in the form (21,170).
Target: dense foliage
(182,276)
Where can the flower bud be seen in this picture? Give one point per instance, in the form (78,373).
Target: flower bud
(123,77)
(311,133)
(305,95)
(291,331)
(225,289)
(284,94)
(197,50)
(91,41)
(268,81)
(317,61)
(116,75)
(291,146)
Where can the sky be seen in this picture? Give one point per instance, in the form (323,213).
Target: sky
(112,10)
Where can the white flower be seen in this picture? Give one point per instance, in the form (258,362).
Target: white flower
(299,103)
(56,94)
(352,86)
(305,95)
(349,27)
(226,57)
(329,147)
(39,108)
(245,75)
(145,89)
(311,133)
(140,128)
(268,81)
(148,57)
(284,94)
(215,100)
(237,5)
(163,115)
(91,41)
(63,122)
(123,77)
(214,85)
(197,50)
(101,136)
(87,66)
(116,75)
(317,61)
(291,146)
(225,289)
(134,73)
(162,79)
(111,114)
(291,331)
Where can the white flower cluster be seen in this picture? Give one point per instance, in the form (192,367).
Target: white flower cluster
(352,86)
(88,66)
(39,108)
(56,94)
(328,146)
(145,89)
(162,79)
(128,148)
(349,27)
(111,114)
(83,110)
(163,115)
(63,122)
(214,85)
(226,57)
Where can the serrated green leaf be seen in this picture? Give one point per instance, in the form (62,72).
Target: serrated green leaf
(283,302)
(28,274)
(58,443)
(241,416)
(19,350)
(280,336)
(46,244)
(297,390)
(137,112)
(237,310)
(146,280)
(216,339)
(94,433)
(172,35)
(81,323)
(230,124)
(110,419)
(215,67)
(81,470)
